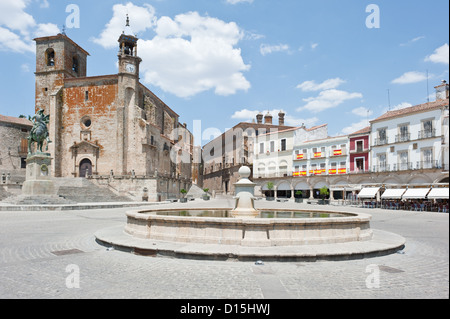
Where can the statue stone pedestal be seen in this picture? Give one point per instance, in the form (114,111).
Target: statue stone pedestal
(38,179)
(245,196)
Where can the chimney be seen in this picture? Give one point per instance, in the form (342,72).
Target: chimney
(281,118)
(268,119)
(442,91)
(259,118)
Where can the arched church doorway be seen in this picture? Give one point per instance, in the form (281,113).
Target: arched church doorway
(85,168)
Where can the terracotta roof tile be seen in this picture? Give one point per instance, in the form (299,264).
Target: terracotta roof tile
(413,109)
(15,120)
(362,131)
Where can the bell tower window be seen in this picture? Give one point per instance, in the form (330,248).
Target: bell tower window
(75,64)
(50,57)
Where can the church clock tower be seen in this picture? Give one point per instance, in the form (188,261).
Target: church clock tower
(128,93)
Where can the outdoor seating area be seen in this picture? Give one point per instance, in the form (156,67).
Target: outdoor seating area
(408,199)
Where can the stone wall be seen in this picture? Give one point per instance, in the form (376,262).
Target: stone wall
(13,149)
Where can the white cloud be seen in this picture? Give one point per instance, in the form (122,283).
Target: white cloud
(362,112)
(188,55)
(440,55)
(249,115)
(238,1)
(245,115)
(14,17)
(328,99)
(412,41)
(314,46)
(25,68)
(17,27)
(142,18)
(297,122)
(354,127)
(401,106)
(268,49)
(311,86)
(410,77)
(10,41)
(44,4)
(46,29)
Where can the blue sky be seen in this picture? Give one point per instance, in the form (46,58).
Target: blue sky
(223,61)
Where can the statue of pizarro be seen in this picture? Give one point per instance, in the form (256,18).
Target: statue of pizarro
(39,132)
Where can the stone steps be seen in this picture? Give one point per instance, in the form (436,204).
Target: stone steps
(84,191)
(4,194)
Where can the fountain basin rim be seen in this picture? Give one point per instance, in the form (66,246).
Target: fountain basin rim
(349,217)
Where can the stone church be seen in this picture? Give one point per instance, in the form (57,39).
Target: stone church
(110,127)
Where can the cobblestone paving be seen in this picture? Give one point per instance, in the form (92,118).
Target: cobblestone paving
(38,249)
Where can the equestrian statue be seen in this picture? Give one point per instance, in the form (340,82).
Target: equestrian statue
(39,132)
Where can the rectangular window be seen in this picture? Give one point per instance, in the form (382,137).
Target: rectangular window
(86,96)
(283,145)
(428,126)
(382,138)
(403,161)
(428,129)
(359,164)
(272,146)
(428,155)
(261,148)
(359,146)
(382,164)
(23,162)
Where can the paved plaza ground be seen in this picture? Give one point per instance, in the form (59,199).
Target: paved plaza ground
(42,253)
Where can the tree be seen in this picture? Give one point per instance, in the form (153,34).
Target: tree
(270,188)
(324,192)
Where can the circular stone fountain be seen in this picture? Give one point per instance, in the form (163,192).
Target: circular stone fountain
(242,233)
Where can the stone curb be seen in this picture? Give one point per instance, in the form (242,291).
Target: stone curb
(383,243)
(64,207)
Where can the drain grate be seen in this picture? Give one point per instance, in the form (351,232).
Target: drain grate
(67,252)
(390,270)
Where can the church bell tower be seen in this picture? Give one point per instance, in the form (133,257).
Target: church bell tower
(128,96)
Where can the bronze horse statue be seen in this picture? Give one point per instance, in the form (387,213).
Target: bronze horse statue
(39,132)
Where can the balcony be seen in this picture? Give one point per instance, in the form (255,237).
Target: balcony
(300,157)
(359,150)
(427,134)
(381,141)
(337,153)
(428,165)
(381,168)
(402,167)
(402,138)
(317,155)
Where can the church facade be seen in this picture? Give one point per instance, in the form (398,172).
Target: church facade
(109,125)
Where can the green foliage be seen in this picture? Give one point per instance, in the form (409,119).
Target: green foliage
(324,192)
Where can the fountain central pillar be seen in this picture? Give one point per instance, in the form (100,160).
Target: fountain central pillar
(245,196)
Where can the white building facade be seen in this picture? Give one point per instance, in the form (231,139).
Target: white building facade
(409,139)
(328,156)
(406,148)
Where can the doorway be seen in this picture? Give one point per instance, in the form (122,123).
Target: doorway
(85,168)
